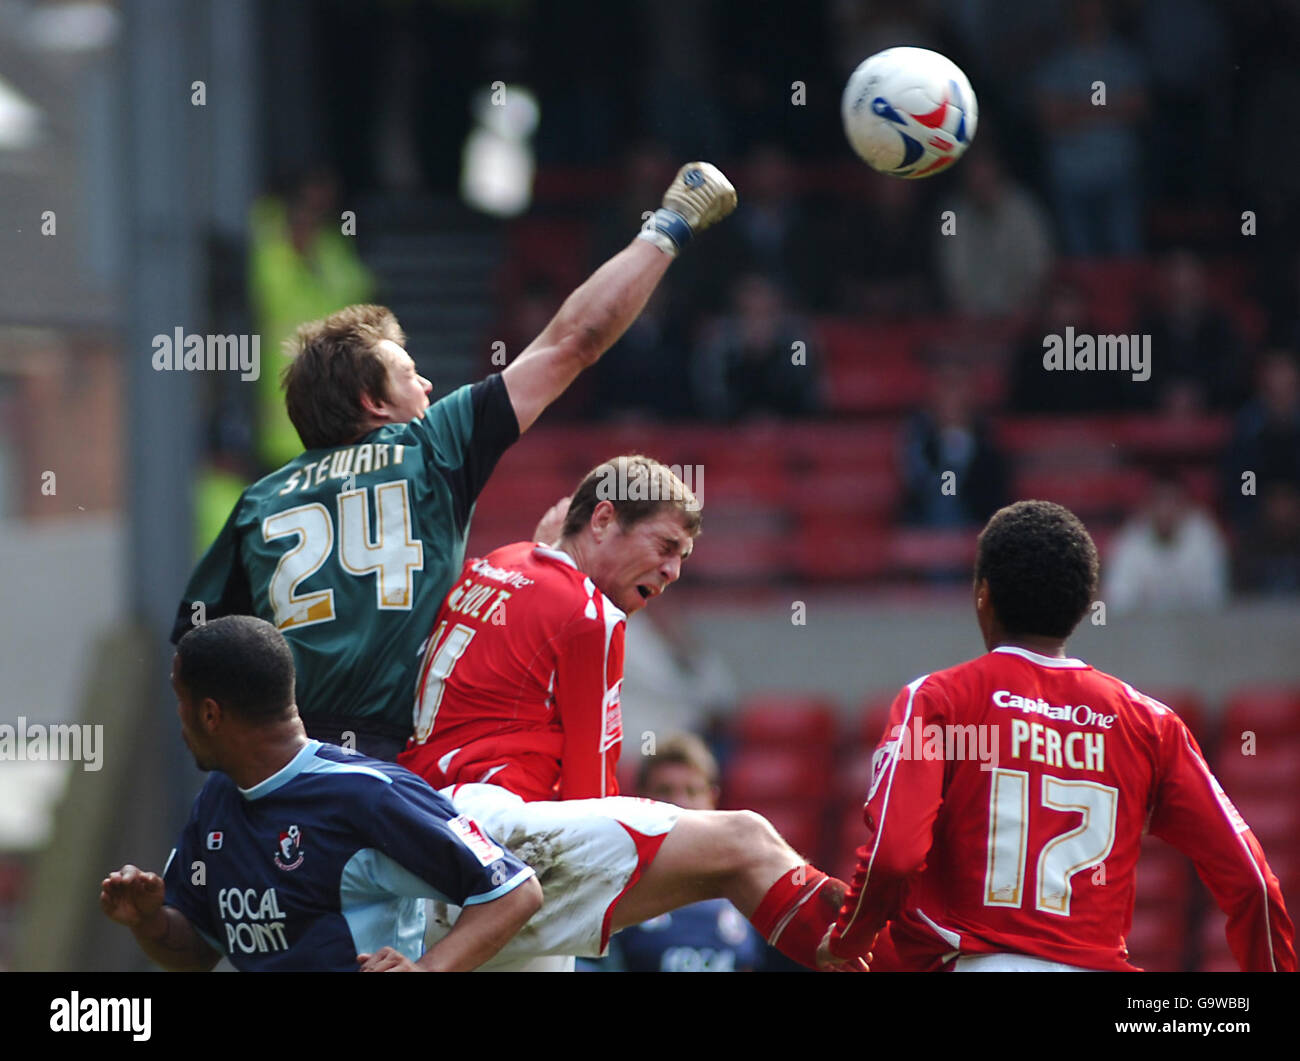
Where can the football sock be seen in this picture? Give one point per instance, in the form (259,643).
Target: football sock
(797,910)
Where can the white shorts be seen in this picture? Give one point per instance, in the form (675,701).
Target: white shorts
(1012,963)
(586,852)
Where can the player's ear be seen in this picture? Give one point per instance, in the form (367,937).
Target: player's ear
(210,714)
(602,516)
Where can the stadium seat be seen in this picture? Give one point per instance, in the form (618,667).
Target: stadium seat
(1263,710)
(872,716)
(1157,939)
(762,775)
(863,387)
(831,549)
(800,822)
(785,720)
(1088,492)
(867,494)
(1272,768)
(927,552)
(1215,955)
(732,558)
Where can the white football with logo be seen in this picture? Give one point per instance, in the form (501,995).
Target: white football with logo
(909,112)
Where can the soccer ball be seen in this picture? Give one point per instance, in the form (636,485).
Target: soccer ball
(909,112)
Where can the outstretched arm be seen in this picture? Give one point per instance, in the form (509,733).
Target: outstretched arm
(134,897)
(593,318)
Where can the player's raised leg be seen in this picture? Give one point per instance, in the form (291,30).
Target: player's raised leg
(737,855)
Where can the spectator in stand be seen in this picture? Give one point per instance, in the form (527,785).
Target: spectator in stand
(1034,389)
(1093,151)
(1187,44)
(757,360)
(644,373)
(1170,557)
(1268,557)
(882,244)
(773,235)
(301,268)
(1196,348)
(953,473)
(1265,446)
(995,262)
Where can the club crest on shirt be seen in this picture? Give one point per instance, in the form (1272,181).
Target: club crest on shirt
(880,761)
(289,854)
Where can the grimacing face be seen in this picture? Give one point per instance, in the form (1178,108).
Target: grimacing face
(633,565)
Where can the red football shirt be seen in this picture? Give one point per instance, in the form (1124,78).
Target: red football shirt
(520,680)
(1007,802)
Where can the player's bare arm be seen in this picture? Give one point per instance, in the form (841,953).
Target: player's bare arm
(593,318)
(134,897)
(482,930)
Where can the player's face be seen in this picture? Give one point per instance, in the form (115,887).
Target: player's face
(189,730)
(408,391)
(633,565)
(682,784)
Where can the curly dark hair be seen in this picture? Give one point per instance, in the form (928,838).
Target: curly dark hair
(242,663)
(1041,566)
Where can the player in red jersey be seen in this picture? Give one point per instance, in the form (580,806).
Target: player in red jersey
(1007,837)
(518,723)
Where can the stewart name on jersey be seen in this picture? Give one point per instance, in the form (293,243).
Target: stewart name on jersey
(350,550)
(330,857)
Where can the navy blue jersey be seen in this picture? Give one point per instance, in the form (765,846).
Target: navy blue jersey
(708,937)
(328,858)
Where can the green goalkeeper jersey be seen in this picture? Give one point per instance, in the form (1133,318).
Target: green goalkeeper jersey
(350,550)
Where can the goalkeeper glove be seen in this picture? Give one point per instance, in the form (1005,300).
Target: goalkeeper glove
(698,197)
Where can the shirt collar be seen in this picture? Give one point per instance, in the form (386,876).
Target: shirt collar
(284,775)
(1068,663)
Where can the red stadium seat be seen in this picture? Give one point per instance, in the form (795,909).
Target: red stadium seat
(1163,876)
(1264,710)
(1216,956)
(829,549)
(785,721)
(924,552)
(1157,939)
(1272,768)
(873,715)
(730,558)
(800,822)
(1087,492)
(866,494)
(763,775)
(864,387)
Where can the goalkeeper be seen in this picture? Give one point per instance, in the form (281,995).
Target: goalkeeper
(350,548)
